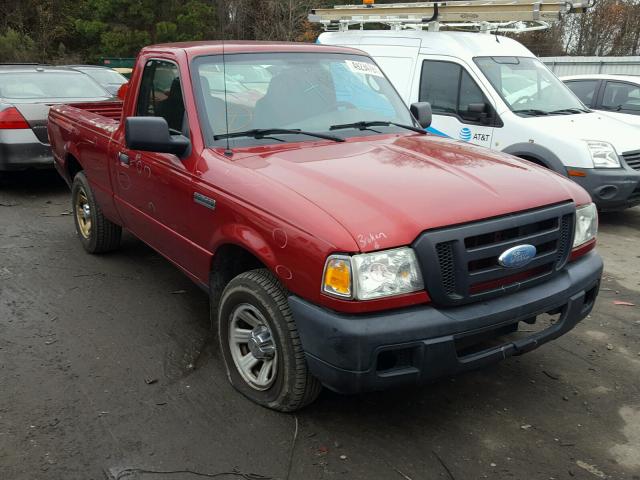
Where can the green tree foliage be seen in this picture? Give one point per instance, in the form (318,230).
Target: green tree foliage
(84,30)
(16,46)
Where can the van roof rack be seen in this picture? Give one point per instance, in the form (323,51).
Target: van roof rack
(472,15)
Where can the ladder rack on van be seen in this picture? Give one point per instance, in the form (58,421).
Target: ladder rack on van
(482,15)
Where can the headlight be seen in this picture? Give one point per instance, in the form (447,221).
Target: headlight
(586,225)
(603,154)
(373,275)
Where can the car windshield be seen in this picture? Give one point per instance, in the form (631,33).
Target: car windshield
(48,85)
(312,92)
(528,87)
(104,76)
(214,76)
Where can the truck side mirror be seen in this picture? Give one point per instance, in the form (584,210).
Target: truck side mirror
(151,134)
(421,111)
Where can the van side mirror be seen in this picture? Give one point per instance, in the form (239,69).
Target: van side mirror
(151,134)
(421,111)
(478,111)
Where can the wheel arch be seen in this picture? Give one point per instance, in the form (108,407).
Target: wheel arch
(229,260)
(72,166)
(539,155)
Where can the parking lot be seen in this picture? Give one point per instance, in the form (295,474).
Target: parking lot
(109,370)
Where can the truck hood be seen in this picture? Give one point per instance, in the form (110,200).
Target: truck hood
(588,126)
(385,191)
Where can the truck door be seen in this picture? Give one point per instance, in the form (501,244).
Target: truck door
(461,110)
(155,190)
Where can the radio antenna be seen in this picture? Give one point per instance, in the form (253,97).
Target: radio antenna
(227,151)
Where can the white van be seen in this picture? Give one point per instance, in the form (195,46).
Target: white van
(492,91)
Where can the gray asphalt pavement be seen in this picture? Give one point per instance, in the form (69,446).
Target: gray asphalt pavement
(108,370)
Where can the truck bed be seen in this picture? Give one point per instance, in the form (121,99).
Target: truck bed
(83,130)
(110,109)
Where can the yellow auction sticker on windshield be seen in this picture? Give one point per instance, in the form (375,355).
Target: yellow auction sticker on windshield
(364,67)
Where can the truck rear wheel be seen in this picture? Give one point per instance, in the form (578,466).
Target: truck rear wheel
(96,233)
(260,345)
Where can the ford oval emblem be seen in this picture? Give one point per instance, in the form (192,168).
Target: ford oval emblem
(517,256)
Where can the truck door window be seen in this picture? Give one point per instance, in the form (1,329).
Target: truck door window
(450,89)
(619,96)
(584,90)
(161,94)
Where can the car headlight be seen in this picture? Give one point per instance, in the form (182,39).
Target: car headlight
(373,275)
(603,154)
(586,224)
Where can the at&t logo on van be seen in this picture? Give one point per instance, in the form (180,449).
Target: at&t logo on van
(465,134)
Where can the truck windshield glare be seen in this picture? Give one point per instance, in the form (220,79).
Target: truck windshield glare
(528,87)
(310,92)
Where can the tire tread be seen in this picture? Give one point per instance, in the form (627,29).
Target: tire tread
(106,234)
(306,387)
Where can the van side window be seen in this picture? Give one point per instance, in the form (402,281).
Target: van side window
(584,90)
(439,85)
(449,89)
(161,94)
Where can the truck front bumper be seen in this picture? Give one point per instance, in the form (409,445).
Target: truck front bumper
(611,188)
(356,353)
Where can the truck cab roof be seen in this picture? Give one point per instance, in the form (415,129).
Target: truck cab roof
(194,49)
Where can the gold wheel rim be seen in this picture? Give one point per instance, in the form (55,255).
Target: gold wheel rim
(83,213)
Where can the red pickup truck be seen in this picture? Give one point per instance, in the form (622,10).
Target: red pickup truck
(339,243)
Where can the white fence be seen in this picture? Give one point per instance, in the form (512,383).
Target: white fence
(580,65)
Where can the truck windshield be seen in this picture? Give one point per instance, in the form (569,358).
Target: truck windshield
(311,92)
(528,87)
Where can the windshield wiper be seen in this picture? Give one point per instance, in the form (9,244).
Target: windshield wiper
(264,132)
(531,111)
(375,123)
(568,110)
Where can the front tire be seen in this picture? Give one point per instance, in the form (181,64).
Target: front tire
(260,344)
(97,233)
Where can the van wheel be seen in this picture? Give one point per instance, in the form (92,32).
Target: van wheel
(260,344)
(96,233)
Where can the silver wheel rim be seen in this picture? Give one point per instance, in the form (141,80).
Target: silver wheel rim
(252,347)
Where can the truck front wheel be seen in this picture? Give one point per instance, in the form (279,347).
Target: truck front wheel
(260,345)
(96,233)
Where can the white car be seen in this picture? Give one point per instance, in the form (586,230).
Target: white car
(616,95)
(492,91)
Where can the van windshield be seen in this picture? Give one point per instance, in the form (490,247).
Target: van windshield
(528,87)
(322,93)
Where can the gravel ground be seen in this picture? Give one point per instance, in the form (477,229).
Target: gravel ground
(108,370)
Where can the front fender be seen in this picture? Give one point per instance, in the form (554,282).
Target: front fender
(539,153)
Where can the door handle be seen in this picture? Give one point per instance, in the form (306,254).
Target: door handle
(124,158)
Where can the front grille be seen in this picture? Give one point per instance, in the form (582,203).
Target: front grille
(460,264)
(447,267)
(632,159)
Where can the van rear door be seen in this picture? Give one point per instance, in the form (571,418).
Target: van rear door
(461,108)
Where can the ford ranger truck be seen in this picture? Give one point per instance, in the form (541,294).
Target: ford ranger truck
(340,244)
